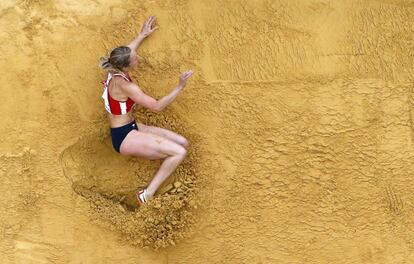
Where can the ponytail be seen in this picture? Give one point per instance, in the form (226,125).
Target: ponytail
(118,59)
(105,64)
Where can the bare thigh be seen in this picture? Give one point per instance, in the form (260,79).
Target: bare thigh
(164,133)
(149,146)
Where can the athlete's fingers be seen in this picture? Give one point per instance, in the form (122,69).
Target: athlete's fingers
(187,75)
(151,20)
(148,21)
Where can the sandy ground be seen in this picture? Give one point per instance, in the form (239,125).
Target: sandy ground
(299,115)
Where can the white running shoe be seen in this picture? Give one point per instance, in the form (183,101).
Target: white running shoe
(142,196)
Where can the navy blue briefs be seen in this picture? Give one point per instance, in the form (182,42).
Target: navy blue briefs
(118,134)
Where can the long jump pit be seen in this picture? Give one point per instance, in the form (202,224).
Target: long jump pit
(299,116)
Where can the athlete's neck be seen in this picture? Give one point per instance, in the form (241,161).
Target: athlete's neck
(125,70)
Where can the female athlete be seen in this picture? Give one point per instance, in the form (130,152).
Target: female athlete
(129,137)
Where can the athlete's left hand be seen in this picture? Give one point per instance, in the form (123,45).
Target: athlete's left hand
(148,28)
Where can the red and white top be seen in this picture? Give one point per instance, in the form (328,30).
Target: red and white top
(113,106)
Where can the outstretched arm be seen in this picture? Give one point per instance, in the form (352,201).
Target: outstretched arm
(138,96)
(146,30)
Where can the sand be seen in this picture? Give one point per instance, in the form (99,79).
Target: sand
(299,117)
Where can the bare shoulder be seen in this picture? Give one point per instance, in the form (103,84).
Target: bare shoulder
(129,86)
(120,81)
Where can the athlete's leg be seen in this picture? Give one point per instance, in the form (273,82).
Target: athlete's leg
(147,145)
(167,167)
(164,133)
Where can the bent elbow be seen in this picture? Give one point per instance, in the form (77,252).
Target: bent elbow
(157,108)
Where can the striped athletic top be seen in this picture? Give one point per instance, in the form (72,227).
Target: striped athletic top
(112,105)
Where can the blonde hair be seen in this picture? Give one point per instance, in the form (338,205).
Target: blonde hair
(118,59)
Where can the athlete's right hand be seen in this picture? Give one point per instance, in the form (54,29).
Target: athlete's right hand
(148,28)
(183,78)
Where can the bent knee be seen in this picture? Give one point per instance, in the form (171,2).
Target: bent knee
(181,151)
(185,143)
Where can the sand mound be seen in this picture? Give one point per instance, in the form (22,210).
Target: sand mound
(109,181)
